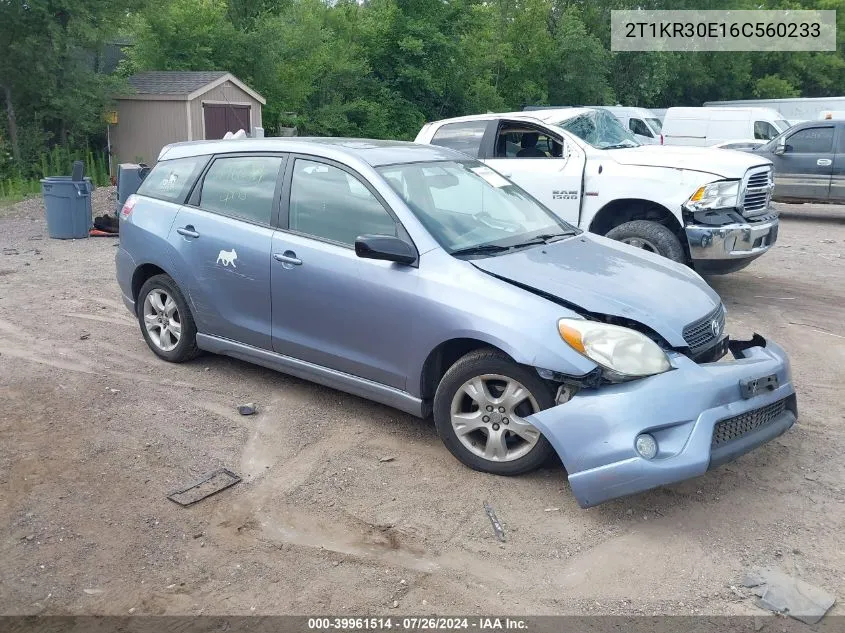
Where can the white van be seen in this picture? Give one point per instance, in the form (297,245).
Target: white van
(711,126)
(642,123)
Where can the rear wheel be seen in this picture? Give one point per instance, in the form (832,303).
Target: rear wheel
(480,409)
(166,321)
(650,236)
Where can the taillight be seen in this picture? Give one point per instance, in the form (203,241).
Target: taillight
(126,211)
(661,139)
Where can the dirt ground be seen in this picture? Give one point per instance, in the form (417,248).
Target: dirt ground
(96,431)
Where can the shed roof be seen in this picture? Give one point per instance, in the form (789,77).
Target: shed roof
(181,85)
(172,82)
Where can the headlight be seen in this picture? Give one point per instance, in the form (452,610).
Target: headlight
(723,194)
(623,352)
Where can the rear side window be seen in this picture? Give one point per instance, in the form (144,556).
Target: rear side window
(811,140)
(464,137)
(170,180)
(243,187)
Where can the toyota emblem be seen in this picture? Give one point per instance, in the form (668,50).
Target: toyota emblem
(716,327)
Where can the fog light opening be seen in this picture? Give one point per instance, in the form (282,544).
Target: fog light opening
(646,446)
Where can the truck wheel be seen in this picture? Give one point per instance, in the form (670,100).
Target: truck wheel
(480,409)
(650,236)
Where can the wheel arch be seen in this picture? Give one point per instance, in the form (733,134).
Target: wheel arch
(624,210)
(444,355)
(141,274)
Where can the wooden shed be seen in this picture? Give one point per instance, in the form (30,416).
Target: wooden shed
(168,106)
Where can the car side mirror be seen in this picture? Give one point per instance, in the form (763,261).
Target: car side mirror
(780,149)
(385,247)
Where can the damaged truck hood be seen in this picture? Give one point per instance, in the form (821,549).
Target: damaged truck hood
(606,277)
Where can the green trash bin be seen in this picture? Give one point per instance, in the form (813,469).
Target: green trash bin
(68,206)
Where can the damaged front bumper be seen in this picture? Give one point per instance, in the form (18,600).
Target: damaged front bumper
(715,249)
(700,416)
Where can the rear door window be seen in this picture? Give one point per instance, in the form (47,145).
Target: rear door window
(170,180)
(464,136)
(242,186)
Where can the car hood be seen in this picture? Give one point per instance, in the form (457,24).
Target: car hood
(607,277)
(705,159)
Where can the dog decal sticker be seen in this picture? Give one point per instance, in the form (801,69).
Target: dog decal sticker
(227,258)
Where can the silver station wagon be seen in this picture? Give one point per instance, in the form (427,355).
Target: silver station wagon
(424,280)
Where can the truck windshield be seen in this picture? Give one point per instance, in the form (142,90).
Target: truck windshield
(600,129)
(655,124)
(781,125)
(471,209)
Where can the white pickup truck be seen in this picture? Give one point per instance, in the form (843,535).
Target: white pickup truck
(706,207)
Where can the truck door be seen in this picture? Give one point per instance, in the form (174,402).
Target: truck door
(541,162)
(803,163)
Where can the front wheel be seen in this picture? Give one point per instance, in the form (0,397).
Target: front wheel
(650,236)
(480,409)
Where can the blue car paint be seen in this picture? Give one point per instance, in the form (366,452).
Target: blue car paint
(233,301)
(373,333)
(594,432)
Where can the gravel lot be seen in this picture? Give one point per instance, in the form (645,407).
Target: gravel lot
(96,431)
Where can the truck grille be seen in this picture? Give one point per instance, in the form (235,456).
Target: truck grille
(702,334)
(757,191)
(734,428)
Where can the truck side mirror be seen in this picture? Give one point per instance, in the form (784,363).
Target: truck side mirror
(780,149)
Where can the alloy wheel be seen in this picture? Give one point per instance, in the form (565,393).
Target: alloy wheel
(488,416)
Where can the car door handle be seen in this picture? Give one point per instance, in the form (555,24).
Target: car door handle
(823,162)
(288,257)
(187,231)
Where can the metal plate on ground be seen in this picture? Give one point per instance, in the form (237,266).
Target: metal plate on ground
(207,485)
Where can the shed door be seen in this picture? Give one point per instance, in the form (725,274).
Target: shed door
(222,118)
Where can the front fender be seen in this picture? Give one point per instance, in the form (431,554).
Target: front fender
(466,303)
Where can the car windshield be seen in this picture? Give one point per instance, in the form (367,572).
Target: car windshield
(655,124)
(471,209)
(600,129)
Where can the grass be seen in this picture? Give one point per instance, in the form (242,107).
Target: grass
(57,162)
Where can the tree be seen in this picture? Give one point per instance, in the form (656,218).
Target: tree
(774,87)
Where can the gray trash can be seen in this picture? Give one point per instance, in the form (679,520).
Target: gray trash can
(68,205)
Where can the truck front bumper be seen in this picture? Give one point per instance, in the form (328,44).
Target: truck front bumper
(699,415)
(723,249)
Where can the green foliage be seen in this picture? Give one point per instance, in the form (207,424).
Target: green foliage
(56,162)
(376,68)
(774,87)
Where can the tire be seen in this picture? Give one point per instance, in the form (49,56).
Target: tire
(177,346)
(650,236)
(493,446)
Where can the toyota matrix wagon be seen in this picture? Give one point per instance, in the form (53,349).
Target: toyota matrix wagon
(422,279)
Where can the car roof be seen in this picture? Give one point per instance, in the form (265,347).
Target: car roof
(545,114)
(370,151)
